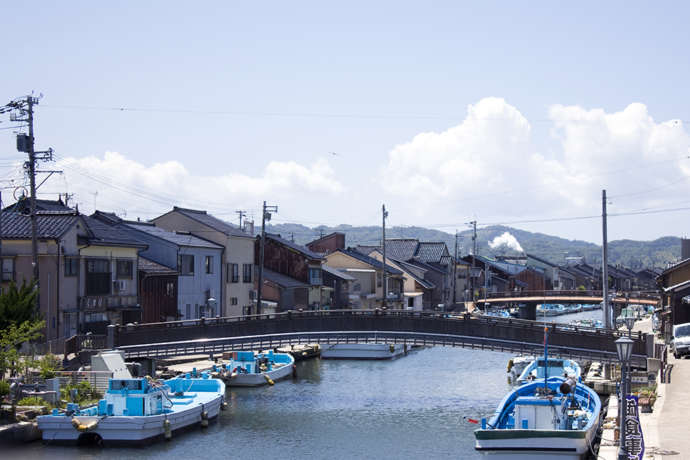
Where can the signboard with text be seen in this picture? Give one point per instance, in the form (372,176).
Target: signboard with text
(634,441)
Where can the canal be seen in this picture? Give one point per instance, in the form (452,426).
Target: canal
(409,408)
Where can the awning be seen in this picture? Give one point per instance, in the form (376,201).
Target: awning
(412,294)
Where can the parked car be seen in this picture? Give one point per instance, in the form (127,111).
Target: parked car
(680,343)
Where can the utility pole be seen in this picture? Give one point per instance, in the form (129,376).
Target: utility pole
(265,215)
(241,214)
(384,214)
(605,265)
(455,268)
(473,224)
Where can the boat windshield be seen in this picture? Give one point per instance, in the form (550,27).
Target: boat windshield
(552,363)
(682,330)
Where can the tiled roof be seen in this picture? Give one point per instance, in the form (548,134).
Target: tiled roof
(427,266)
(283,280)
(297,247)
(431,251)
(424,283)
(539,259)
(402,248)
(18,226)
(180,239)
(213,222)
(24,205)
(149,266)
(365,249)
(337,273)
(369,260)
(106,235)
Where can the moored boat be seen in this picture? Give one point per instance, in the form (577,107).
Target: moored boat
(137,410)
(555,367)
(556,418)
(515,367)
(249,369)
(362,351)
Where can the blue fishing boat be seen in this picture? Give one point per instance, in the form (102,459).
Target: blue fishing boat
(137,410)
(554,417)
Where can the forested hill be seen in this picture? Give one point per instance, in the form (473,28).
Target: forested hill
(632,254)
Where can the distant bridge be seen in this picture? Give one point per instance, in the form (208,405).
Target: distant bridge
(216,335)
(571,296)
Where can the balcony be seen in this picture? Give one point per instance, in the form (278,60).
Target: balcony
(107,302)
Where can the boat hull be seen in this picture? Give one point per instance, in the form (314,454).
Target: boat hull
(256,380)
(126,430)
(361,351)
(528,444)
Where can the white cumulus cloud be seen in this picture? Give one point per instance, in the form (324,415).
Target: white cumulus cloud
(123,184)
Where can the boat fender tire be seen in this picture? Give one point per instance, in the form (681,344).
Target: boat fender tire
(83,427)
(294,371)
(510,365)
(167,431)
(204,418)
(391,348)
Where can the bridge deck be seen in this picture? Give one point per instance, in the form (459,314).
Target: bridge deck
(368,326)
(566,299)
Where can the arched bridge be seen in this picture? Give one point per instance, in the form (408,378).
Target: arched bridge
(570,297)
(216,335)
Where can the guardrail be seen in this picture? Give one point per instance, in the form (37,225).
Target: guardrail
(574,293)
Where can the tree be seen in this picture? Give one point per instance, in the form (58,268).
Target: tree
(18,305)
(11,339)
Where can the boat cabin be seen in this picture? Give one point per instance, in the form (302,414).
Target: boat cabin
(133,397)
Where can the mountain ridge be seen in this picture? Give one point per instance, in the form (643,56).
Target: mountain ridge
(633,254)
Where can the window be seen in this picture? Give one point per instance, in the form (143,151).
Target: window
(7,269)
(71,266)
(208,264)
(124,269)
(186,265)
(170,289)
(233,301)
(315,276)
(98,277)
(247,273)
(234,273)
(188,311)
(379,279)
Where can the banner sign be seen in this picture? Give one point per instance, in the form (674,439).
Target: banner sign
(634,441)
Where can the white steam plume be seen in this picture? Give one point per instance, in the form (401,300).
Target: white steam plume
(506,239)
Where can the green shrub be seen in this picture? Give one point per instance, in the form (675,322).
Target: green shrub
(4,388)
(48,365)
(86,394)
(32,401)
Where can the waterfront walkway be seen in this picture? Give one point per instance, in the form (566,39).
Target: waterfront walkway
(672,425)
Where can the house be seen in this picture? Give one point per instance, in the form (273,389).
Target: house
(327,244)
(557,277)
(340,283)
(23,205)
(646,280)
(586,276)
(157,292)
(366,290)
(432,257)
(417,292)
(108,287)
(237,270)
(197,262)
(58,263)
(674,283)
(295,270)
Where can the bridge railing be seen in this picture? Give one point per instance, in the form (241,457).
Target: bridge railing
(648,295)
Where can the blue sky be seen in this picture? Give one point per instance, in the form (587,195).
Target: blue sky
(251,100)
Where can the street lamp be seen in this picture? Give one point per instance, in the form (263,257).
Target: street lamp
(624,346)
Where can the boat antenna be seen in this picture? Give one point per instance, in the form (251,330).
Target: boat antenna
(546,358)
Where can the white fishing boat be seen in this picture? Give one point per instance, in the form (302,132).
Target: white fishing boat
(515,367)
(249,369)
(136,411)
(556,367)
(362,351)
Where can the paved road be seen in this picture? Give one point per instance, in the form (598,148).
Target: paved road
(674,430)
